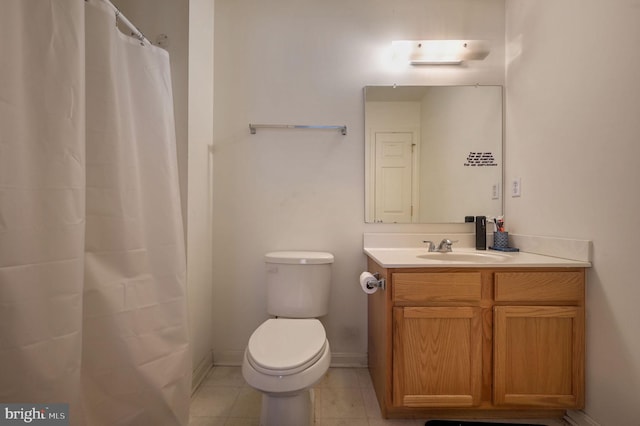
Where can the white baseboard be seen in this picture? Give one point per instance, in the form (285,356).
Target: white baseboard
(200,372)
(338,359)
(579,418)
(346,359)
(228,358)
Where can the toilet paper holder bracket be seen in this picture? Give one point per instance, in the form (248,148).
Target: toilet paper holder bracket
(380,283)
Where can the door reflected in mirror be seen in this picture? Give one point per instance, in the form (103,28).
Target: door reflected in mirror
(433,154)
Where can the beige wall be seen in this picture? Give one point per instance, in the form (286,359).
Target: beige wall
(573,135)
(293,62)
(199,247)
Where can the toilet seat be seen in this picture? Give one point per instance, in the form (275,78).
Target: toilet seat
(280,347)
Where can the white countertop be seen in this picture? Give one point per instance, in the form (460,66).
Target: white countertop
(408,257)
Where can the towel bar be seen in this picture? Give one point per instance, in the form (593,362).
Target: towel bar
(254,127)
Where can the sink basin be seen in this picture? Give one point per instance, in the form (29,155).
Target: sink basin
(464,257)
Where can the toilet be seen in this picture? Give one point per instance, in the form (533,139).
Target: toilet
(288,354)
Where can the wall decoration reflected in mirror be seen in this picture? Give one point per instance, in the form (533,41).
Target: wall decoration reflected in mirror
(433,154)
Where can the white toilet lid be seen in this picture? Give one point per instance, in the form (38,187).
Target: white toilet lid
(286,346)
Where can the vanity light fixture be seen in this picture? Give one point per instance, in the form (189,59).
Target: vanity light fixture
(439,52)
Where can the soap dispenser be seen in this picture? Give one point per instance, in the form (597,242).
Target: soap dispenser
(481,232)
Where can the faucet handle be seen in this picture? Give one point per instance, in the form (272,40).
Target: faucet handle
(430,245)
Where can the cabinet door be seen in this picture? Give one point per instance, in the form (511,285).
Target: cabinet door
(437,357)
(539,356)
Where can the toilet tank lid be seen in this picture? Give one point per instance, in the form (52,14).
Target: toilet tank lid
(299,257)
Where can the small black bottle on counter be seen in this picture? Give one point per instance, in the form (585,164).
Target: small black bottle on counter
(481,232)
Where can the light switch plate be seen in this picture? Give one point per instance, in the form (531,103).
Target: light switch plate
(516,187)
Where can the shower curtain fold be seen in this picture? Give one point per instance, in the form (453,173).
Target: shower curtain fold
(92,258)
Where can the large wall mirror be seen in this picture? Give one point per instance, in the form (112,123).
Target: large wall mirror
(433,154)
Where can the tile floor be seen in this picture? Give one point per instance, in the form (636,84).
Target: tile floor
(344,397)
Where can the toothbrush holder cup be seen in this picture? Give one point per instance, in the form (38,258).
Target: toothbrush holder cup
(501,239)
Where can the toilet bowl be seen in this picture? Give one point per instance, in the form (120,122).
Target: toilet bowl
(284,359)
(289,354)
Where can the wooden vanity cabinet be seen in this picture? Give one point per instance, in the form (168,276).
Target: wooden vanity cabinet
(539,339)
(460,342)
(437,339)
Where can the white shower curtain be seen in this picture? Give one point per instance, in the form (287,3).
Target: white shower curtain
(92,263)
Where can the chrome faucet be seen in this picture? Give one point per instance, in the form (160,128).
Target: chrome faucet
(443,247)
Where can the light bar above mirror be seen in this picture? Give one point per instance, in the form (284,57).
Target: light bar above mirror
(439,52)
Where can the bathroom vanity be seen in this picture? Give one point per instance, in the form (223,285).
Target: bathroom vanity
(482,336)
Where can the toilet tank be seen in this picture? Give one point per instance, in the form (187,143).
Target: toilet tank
(298,283)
